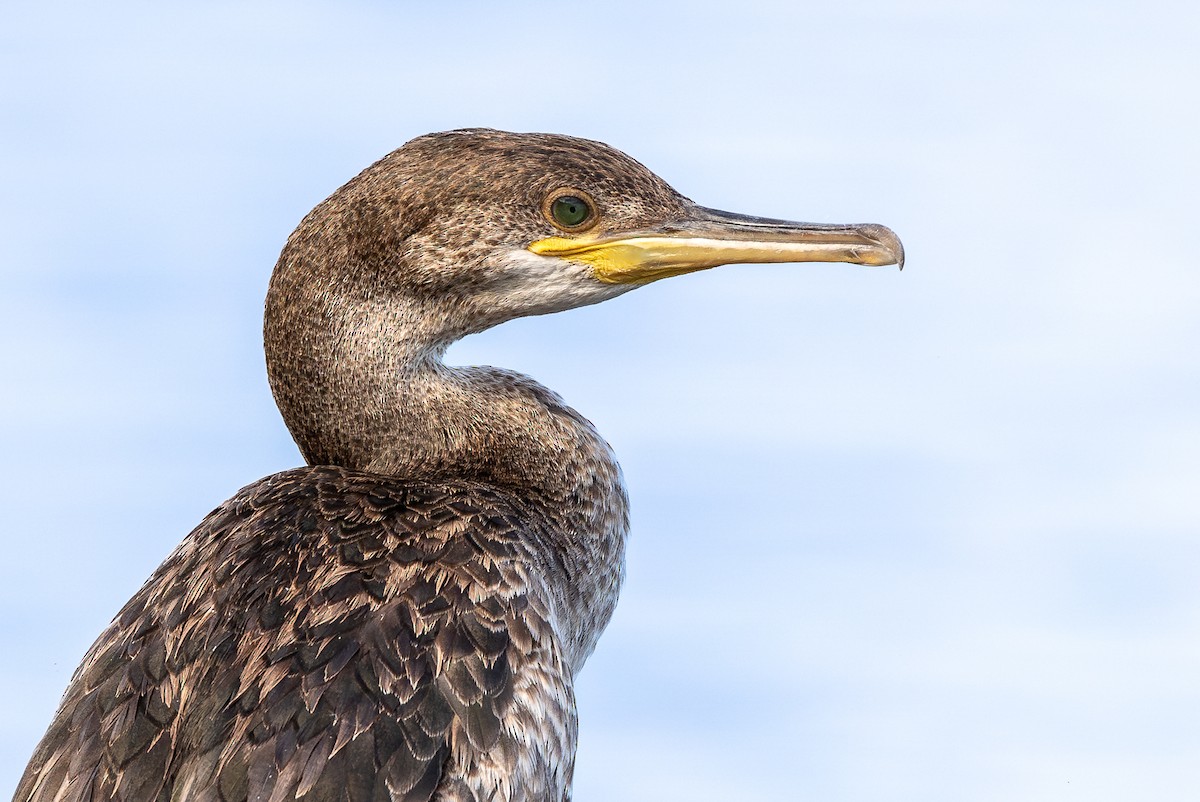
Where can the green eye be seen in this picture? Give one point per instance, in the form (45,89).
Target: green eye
(569,211)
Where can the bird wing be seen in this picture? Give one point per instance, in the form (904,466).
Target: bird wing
(325,635)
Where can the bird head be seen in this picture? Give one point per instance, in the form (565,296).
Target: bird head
(484,226)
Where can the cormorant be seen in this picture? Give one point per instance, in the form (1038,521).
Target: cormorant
(403,617)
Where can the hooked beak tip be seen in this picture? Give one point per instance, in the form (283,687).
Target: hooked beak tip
(887,240)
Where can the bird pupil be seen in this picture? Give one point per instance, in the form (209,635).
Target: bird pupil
(570,211)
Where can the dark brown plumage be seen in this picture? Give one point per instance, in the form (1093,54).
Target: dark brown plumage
(403,618)
(381,619)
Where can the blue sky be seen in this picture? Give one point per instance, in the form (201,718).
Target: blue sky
(930,535)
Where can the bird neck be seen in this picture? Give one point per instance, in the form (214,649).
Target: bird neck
(362,385)
(487,425)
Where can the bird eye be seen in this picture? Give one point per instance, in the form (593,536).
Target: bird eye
(570,211)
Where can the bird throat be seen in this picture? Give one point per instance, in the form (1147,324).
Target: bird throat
(366,389)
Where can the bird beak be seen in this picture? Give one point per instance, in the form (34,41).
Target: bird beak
(711,238)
